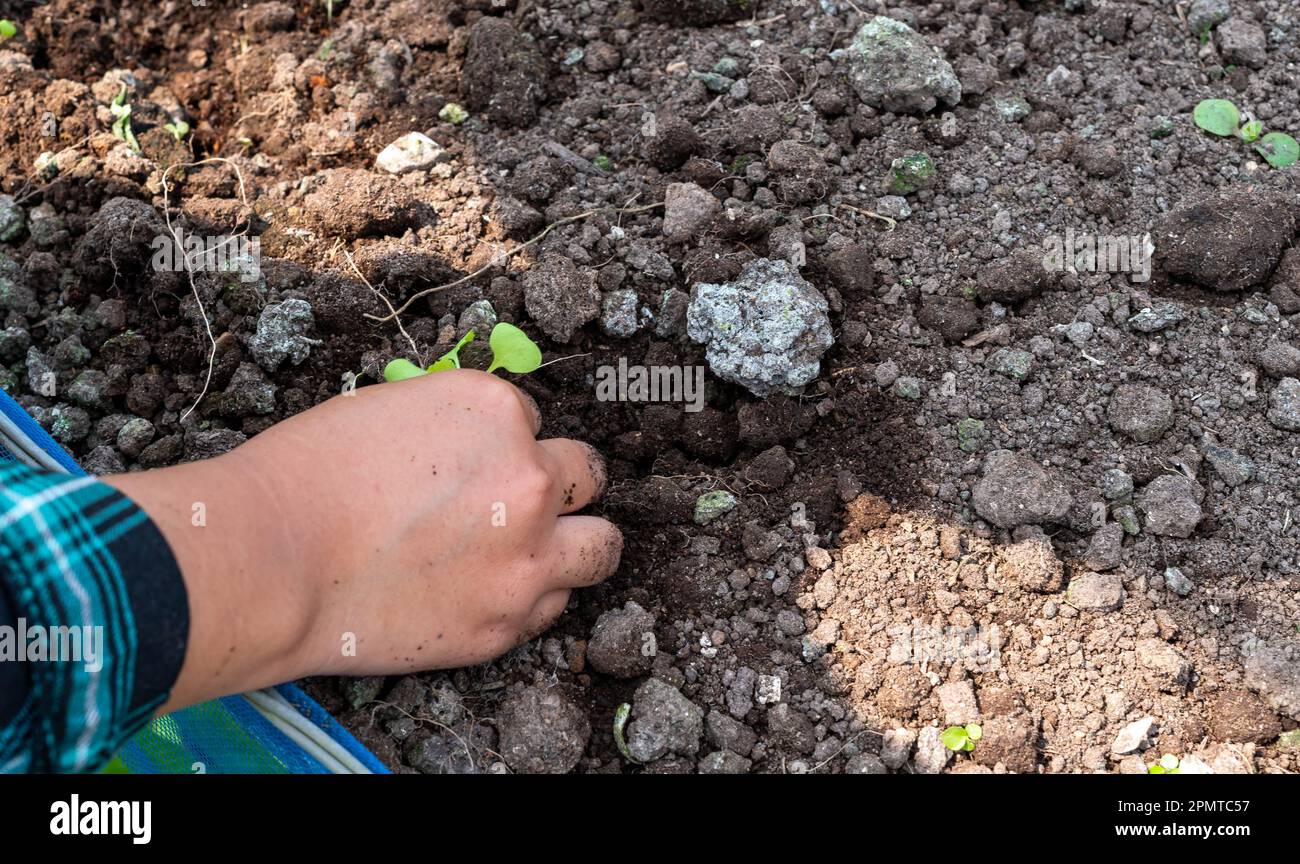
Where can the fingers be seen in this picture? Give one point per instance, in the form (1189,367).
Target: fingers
(544,613)
(586,550)
(579,472)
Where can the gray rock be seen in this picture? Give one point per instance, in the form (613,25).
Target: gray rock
(541,731)
(1116,484)
(103,461)
(135,435)
(1284,405)
(1106,548)
(791,729)
(664,722)
(14,342)
(1227,241)
(713,505)
(68,423)
(1015,490)
(249,392)
(1205,15)
(559,297)
(1141,412)
(865,763)
(1153,320)
(724,762)
(1172,504)
(766,331)
(16,295)
(414,151)
(618,642)
(1134,737)
(1273,671)
(618,313)
(893,68)
(672,314)
(478,316)
(1095,592)
(1012,362)
(1176,581)
(207,443)
(1242,42)
(931,756)
(1280,360)
(689,211)
(1163,665)
(12,219)
(727,733)
(1233,468)
(282,334)
(90,390)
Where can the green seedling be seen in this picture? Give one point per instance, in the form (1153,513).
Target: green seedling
(179,129)
(604,163)
(1168,764)
(453,113)
(620,721)
(121,111)
(512,351)
(962,739)
(1221,117)
(7,29)
(326,49)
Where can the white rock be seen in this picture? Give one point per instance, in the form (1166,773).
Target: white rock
(414,151)
(1133,737)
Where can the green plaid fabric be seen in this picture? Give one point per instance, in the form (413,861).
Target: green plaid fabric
(94,620)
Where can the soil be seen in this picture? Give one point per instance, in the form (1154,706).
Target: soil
(868,588)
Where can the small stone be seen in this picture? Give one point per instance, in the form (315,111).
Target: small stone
(972,435)
(1280,360)
(712,505)
(1239,715)
(1095,592)
(896,747)
(727,733)
(542,731)
(618,313)
(1015,490)
(907,387)
(1116,484)
(1284,405)
(1204,15)
(559,297)
(1134,737)
(724,762)
(414,151)
(865,763)
(1153,320)
(618,644)
(931,755)
(1172,505)
(1012,362)
(766,331)
(1164,666)
(911,173)
(664,722)
(12,219)
(1233,468)
(894,68)
(791,729)
(1105,549)
(894,207)
(954,318)
(1141,412)
(1177,582)
(1276,677)
(1242,42)
(689,211)
(1010,741)
(134,436)
(281,334)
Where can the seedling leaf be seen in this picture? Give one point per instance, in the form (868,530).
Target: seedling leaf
(1250,131)
(1278,149)
(974,731)
(401,369)
(620,720)
(1217,116)
(955,738)
(7,29)
(512,350)
(451,360)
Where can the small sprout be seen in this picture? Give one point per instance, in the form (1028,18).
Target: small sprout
(962,738)
(329,11)
(121,110)
(620,720)
(1278,149)
(1217,116)
(451,360)
(326,49)
(7,29)
(604,163)
(453,113)
(1168,764)
(513,351)
(401,369)
(179,129)
(1250,131)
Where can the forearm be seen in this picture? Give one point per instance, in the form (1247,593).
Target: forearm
(246,574)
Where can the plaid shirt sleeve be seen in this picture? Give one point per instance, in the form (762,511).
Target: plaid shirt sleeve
(94,620)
